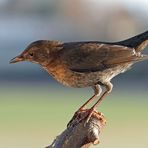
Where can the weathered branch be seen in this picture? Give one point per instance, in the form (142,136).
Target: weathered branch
(80,134)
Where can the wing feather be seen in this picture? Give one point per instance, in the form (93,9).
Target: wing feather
(87,57)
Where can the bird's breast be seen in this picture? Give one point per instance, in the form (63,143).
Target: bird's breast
(59,72)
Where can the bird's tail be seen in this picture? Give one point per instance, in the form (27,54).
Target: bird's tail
(138,42)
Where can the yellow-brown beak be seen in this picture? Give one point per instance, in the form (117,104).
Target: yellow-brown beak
(16,59)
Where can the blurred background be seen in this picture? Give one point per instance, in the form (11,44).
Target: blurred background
(34,108)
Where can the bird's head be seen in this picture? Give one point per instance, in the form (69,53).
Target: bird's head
(38,52)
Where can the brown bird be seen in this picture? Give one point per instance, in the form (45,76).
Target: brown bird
(86,64)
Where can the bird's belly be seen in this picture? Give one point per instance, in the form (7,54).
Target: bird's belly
(110,73)
(77,79)
(89,79)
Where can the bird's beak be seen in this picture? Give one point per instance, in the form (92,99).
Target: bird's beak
(16,59)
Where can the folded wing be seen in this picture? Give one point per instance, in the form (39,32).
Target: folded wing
(92,57)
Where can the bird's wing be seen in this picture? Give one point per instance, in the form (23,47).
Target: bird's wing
(87,57)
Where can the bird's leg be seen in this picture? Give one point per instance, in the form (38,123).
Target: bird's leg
(97,91)
(109,87)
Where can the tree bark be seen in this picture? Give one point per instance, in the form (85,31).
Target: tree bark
(80,133)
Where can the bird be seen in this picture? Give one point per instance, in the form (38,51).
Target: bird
(86,64)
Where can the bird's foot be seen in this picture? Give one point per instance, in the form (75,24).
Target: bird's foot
(78,116)
(90,113)
(83,115)
(81,109)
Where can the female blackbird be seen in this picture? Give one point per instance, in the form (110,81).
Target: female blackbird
(83,64)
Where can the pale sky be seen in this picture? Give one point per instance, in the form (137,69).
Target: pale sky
(134,5)
(138,6)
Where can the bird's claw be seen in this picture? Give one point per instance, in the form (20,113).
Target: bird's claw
(90,113)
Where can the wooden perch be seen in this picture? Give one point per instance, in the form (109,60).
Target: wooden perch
(80,134)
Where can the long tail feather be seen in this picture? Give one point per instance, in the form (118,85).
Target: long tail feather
(139,42)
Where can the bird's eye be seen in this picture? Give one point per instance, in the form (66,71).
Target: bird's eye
(31,54)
